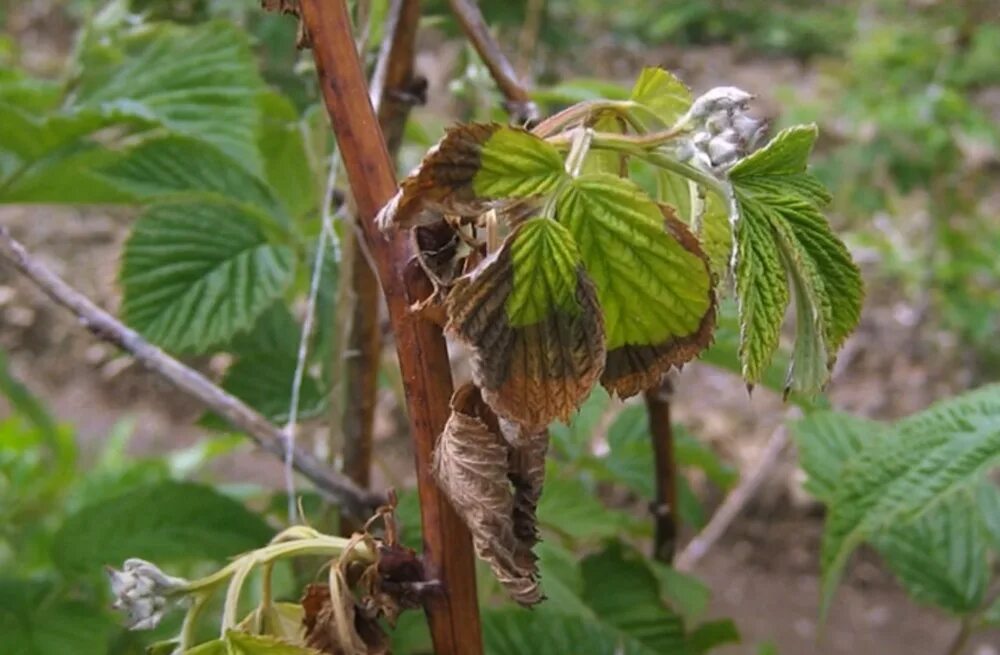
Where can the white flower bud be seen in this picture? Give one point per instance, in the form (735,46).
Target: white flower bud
(750,130)
(141,590)
(721,98)
(722,151)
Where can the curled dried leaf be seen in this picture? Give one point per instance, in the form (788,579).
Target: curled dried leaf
(333,623)
(531,316)
(471,465)
(527,475)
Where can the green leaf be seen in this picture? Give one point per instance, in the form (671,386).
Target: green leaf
(516,632)
(988,501)
(686,593)
(517,164)
(162,522)
(559,571)
(572,510)
(286,161)
(920,462)
(50,158)
(198,81)
(545,273)
(173,165)
(712,634)
(242,643)
(940,557)
(196,273)
(826,441)
(654,286)
(572,440)
(33,622)
(782,231)
(662,93)
(761,292)
(265,368)
(623,592)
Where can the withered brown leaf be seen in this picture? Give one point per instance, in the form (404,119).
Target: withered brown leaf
(470,465)
(632,368)
(340,629)
(527,475)
(530,373)
(442,183)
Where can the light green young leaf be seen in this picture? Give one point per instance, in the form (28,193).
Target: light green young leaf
(779,201)
(761,291)
(242,643)
(545,273)
(663,94)
(653,284)
(826,441)
(570,509)
(920,462)
(713,634)
(162,522)
(199,81)
(514,163)
(196,273)
(988,506)
(940,557)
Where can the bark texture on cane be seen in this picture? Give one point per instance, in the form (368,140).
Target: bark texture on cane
(423,356)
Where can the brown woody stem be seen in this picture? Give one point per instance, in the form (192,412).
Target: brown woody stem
(420,345)
(664,506)
(268,436)
(518,103)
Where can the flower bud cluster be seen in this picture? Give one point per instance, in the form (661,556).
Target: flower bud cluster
(723,131)
(141,590)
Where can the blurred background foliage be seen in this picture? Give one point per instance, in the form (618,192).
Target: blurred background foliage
(907,96)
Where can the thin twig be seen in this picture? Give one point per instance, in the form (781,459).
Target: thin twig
(961,639)
(518,103)
(268,436)
(734,502)
(664,507)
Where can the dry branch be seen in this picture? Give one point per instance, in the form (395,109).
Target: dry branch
(664,507)
(518,103)
(734,502)
(268,436)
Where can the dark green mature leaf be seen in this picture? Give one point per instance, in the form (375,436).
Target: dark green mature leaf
(570,509)
(826,441)
(623,592)
(513,632)
(196,273)
(652,281)
(988,505)
(922,461)
(940,557)
(713,634)
(781,225)
(174,165)
(50,157)
(531,315)
(663,94)
(265,368)
(162,522)
(199,81)
(33,623)
(286,161)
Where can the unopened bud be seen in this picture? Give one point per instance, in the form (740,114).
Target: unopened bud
(721,98)
(141,591)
